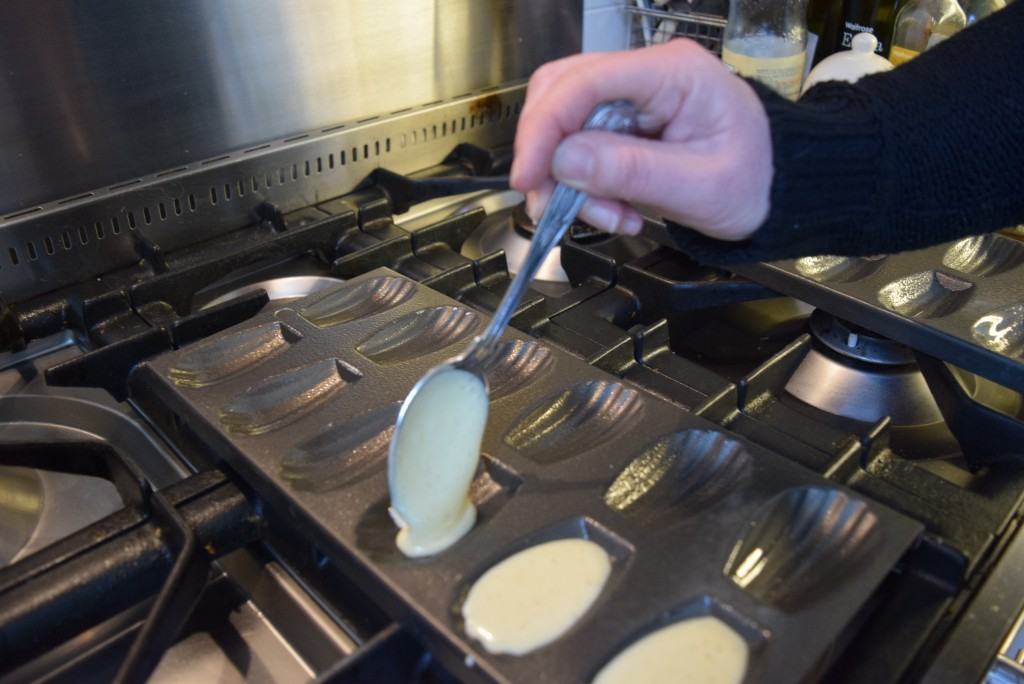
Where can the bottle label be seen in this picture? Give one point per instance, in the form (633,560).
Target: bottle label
(898,55)
(812,48)
(784,75)
(851,28)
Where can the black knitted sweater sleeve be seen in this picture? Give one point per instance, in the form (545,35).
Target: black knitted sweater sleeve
(926,153)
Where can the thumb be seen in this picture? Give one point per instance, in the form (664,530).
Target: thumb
(622,167)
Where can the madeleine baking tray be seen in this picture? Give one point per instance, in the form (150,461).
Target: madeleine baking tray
(301,401)
(962,302)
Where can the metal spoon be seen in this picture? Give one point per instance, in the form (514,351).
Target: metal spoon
(618,116)
(447,431)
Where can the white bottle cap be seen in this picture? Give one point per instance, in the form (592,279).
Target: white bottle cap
(849,65)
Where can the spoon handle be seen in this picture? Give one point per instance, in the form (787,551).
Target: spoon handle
(618,116)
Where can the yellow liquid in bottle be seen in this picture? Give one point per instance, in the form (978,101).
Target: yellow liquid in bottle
(772,60)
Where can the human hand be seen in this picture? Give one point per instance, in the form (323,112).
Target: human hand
(705,160)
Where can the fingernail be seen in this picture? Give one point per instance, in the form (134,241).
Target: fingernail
(603,218)
(632,224)
(532,210)
(646,122)
(573,163)
(513,176)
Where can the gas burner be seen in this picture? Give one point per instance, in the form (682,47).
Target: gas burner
(855,342)
(579,232)
(510,230)
(21,507)
(279,289)
(854,373)
(39,507)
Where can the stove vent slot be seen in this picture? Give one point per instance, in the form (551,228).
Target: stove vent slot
(23,212)
(69,200)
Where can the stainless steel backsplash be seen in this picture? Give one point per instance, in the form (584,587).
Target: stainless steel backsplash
(94,92)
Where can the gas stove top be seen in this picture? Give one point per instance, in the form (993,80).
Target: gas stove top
(138,541)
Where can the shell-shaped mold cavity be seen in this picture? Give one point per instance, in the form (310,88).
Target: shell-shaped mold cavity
(282,399)
(801,544)
(984,255)
(352,302)
(1002,330)
(342,454)
(516,365)
(837,269)
(925,295)
(229,355)
(680,473)
(582,417)
(419,333)
(493,486)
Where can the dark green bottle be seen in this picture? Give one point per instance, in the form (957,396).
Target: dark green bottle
(877,17)
(823,29)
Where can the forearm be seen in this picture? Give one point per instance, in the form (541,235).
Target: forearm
(926,153)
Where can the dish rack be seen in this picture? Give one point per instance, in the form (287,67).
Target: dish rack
(653,26)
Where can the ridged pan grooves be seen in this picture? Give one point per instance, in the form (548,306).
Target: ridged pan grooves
(837,269)
(224,357)
(493,486)
(516,365)
(802,544)
(679,474)
(350,303)
(984,255)
(419,333)
(343,454)
(582,417)
(284,398)
(929,294)
(1002,330)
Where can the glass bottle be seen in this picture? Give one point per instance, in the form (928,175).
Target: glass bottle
(766,40)
(823,21)
(876,17)
(922,24)
(979,9)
